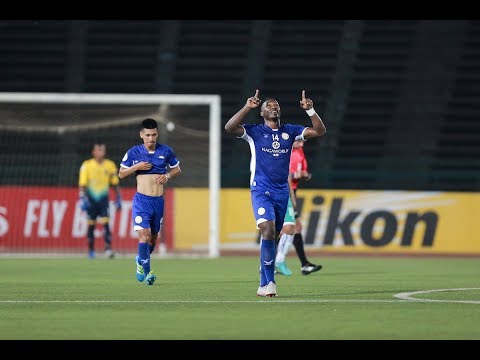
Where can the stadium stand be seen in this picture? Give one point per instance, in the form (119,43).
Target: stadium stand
(401,112)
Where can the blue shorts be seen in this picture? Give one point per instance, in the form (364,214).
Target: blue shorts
(268,206)
(147,212)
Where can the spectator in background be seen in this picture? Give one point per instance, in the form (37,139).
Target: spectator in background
(96,176)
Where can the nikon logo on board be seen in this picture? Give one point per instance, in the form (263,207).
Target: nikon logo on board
(368,219)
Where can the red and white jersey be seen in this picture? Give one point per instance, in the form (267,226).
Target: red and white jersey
(298,162)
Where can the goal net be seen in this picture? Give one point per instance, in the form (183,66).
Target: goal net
(45,137)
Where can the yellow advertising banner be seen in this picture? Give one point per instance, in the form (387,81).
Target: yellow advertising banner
(191,219)
(391,221)
(190,212)
(345,220)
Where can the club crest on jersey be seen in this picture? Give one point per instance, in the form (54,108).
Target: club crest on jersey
(285,136)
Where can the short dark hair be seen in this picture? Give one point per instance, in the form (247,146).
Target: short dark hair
(149,124)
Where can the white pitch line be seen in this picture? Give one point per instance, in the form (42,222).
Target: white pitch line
(276,300)
(408,296)
(403,297)
(200,301)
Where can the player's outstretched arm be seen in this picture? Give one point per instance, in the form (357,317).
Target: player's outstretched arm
(233,125)
(318,127)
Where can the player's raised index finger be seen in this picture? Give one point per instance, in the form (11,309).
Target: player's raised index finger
(256,93)
(303,94)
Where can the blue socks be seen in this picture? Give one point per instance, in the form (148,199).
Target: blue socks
(144,257)
(151,248)
(267,262)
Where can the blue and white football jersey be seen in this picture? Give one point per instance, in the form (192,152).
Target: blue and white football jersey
(162,158)
(270,150)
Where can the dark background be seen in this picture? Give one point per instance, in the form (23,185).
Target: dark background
(400,98)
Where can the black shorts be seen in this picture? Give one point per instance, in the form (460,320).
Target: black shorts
(98,209)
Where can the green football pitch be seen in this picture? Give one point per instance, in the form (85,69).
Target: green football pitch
(197,299)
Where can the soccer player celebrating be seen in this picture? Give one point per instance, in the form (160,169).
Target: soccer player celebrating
(95,178)
(270,145)
(154,165)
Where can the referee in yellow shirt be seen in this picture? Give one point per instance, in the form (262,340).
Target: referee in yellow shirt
(96,177)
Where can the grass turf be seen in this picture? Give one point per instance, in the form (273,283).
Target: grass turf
(215,299)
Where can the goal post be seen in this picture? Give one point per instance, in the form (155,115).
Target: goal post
(25,117)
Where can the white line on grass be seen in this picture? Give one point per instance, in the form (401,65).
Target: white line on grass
(335,301)
(204,301)
(408,296)
(404,297)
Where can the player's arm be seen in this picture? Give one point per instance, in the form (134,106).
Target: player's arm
(84,202)
(306,176)
(124,171)
(233,126)
(81,192)
(173,169)
(164,178)
(174,172)
(118,194)
(115,183)
(118,197)
(318,127)
(82,187)
(83,177)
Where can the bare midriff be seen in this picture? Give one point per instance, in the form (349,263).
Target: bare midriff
(147,185)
